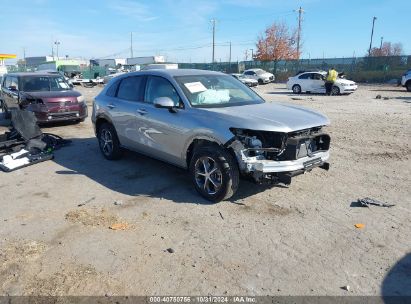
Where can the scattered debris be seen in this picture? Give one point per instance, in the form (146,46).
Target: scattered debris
(378,97)
(170,250)
(25,144)
(359,226)
(221,215)
(366,202)
(86,202)
(118,203)
(347,287)
(119,226)
(296,98)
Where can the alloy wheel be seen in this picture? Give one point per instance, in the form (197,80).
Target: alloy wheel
(208,175)
(106,142)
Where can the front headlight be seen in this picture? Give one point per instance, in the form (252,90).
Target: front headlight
(80,98)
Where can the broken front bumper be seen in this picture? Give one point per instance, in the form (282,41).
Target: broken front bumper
(263,170)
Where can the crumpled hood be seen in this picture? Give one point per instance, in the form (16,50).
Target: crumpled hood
(276,117)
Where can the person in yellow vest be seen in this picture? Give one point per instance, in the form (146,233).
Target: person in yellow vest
(329,81)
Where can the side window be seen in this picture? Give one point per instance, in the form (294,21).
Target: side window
(112,90)
(6,82)
(317,76)
(130,88)
(14,82)
(305,76)
(161,87)
(249,73)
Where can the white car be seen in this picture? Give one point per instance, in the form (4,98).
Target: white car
(247,81)
(406,80)
(260,75)
(314,82)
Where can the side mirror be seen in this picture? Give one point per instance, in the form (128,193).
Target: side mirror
(165,103)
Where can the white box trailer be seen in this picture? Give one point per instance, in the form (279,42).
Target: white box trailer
(162,66)
(145,60)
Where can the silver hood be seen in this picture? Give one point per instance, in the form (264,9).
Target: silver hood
(276,117)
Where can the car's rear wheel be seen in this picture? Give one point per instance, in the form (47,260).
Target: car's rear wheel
(108,142)
(296,89)
(214,173)
(260,81)
(408,86)
(335,90)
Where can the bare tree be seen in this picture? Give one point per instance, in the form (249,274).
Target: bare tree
(387,49)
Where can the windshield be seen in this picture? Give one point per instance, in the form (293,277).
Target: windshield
(210,91)
(43,83)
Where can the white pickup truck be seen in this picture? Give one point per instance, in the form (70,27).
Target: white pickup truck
(406,80)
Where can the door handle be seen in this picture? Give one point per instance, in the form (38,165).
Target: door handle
(142,111)
(111,106)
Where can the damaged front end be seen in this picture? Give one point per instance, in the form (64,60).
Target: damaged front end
(276,157)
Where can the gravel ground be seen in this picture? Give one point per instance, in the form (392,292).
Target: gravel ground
(296,240)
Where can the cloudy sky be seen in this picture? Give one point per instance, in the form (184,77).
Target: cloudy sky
(181,29)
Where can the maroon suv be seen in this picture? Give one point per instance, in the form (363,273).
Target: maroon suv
(49,96)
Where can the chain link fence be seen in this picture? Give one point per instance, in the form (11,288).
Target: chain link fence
(359,69)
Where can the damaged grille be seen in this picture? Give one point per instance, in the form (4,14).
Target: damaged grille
(283,146)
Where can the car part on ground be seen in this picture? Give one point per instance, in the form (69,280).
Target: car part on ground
(24,144)
(212,125)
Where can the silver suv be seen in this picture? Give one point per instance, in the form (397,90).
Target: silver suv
(212,125)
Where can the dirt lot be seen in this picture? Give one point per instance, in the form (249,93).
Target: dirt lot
(299,240)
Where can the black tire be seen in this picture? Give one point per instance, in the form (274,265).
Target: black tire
(335,90)
(296,89)
(408,86)
(226,176)
(108,142)
(260,81)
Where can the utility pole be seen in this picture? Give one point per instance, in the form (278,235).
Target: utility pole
(252,54)
(229,57)
(24,56)
(131,44)
(57,43)
(382,38)
(213,25)
(300,17)
(372,34)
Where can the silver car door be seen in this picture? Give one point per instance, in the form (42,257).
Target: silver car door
(162,131)
(123,110)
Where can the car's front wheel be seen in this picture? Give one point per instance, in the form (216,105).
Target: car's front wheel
(335,90)
(408,86)
(296,89)
(214,173)
(108,142)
